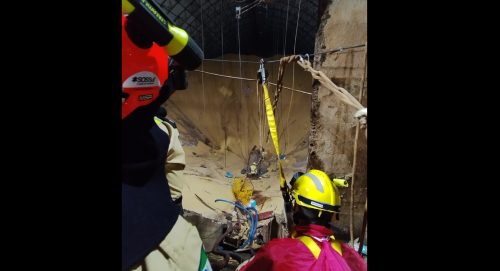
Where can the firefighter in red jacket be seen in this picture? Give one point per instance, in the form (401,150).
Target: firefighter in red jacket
(154,235)
(312,246)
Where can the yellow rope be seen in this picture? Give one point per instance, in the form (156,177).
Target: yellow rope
(273,131)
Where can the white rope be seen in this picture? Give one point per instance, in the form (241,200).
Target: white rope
(250,79)
(227,76)
(230,61)
(364,74)
(239,55)
(295,42)
(286,26)
(273,61)
(247,8)
(222,65)
(338,50)
(284,53)
(293,80)
(292,89)
(222,32)
(241,82)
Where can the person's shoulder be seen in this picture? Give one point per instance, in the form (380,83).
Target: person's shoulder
(284,244)
(280,241)
(346,247)
(277,250)
(352,258)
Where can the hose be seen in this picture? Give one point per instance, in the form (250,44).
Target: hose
(253,219)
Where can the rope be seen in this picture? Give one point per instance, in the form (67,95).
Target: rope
(286,26)
(351,217)
(203,48)
(274,132)
(227,76)
(279,87)
(363,229)
(222,65)
(293,81)
(279,84)
(259,113)
(247,8)
(263,116)
(230,61)
(241,82)
(278,90)
(250,79)
(296,28)
(342,94)
(296,90)
(239,54)
(338,50)
(222,32)
(275,72)
(364,75)
(354,162)
(362,114)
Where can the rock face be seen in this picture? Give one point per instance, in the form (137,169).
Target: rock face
(333,126)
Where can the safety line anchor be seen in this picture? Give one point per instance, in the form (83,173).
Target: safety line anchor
(262,73)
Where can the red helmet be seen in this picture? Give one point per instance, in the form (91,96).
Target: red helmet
(143,73)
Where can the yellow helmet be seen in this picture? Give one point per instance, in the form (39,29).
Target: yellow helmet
(316,190)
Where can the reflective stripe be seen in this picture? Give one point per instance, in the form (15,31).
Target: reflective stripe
(324,206)
(315,249)
(316,181)
(157,120)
